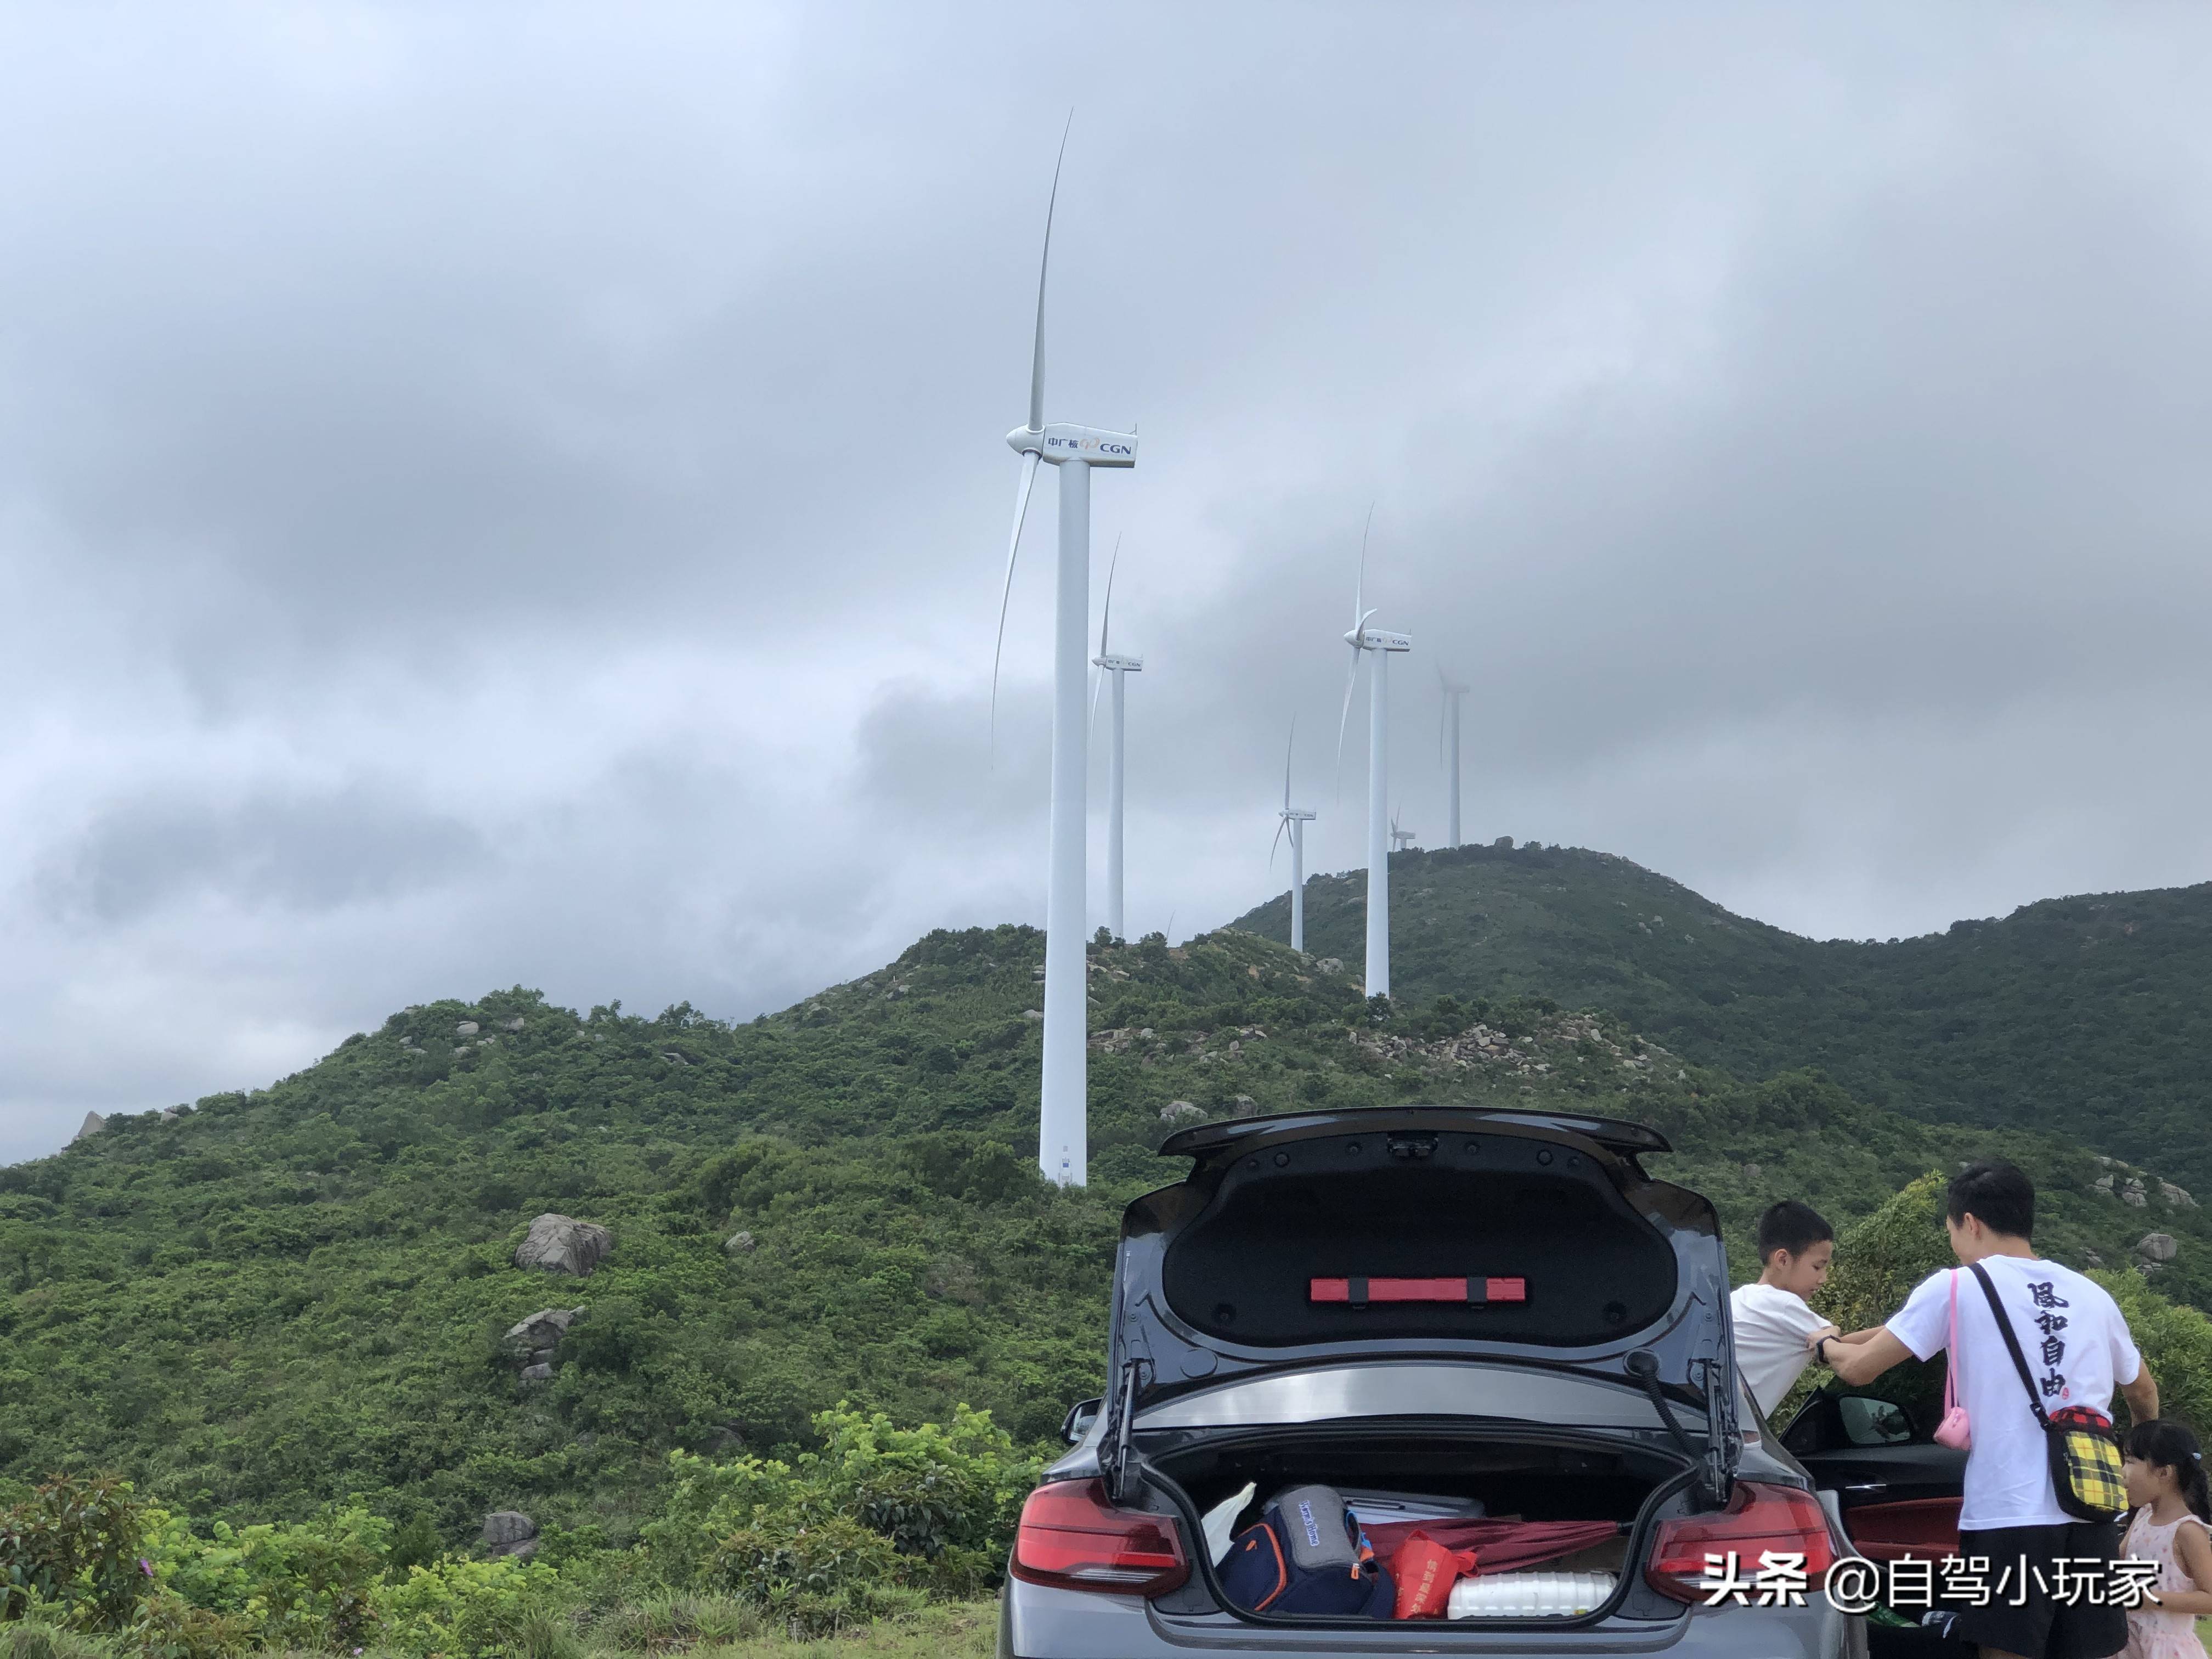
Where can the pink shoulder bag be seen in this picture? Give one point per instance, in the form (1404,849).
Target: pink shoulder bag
(1954,1431)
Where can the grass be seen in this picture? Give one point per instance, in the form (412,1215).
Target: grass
(967,1629)
(703,1629)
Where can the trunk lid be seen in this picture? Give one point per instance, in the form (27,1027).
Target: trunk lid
(1532,1238)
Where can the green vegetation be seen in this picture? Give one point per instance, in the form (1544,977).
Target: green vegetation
(2083,1016)
(881,1525)
(282,1316)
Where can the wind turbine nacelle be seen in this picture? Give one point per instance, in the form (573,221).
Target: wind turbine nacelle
(1379,639)
(1087,444)
(1297,814)
(1120,665)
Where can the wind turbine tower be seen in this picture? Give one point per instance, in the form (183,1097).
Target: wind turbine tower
(1062,1128)
(1448,739)
(1380,643)
(1118,668)
(1294,820)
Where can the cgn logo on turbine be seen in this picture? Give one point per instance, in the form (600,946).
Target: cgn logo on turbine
(1101,448)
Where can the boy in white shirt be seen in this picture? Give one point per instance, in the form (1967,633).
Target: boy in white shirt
(2078,1338)
(1775,1326)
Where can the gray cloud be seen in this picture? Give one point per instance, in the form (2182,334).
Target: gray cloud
(316,853)
(493,497)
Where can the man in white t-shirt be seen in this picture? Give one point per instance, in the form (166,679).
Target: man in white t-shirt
(2078,1350)
(1775,1324)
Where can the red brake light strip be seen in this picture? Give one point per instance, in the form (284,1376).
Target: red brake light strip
(1358,1292)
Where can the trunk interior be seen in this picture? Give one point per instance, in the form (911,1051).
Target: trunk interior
(1389,1478)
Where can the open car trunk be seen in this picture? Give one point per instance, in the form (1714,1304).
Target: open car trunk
(1563,1505)
(1423,1231)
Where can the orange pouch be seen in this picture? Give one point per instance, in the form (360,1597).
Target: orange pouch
(1425,1571)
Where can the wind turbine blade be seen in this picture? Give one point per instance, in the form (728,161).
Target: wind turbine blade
(1098,685)
(1287,748)
(1281,826)
(1344,722)
(1013,546)
(1359,588)
(1036,354)
(1106,621)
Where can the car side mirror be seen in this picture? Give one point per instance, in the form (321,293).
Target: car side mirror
(1869,1422)
(1081,1416)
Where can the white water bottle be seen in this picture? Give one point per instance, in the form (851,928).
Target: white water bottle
(1530,1594)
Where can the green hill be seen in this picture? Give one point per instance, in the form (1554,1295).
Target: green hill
(2088,1015)
(280,1297)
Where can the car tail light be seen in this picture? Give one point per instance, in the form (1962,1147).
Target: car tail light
(1071,1537)
(1759,1520)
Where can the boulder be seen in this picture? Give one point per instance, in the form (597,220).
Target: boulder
(1032,1013)
(466,1027)
(1245,1107)
(512,1023)
(93,1124)
(561,1244)
(1180,1111)
(541,1333)
(2157,1247)
(739,1243)
(538,1370)
(2174,1194)
(1331,965)
(509,1532)
(2103,1184)
(2133,1195)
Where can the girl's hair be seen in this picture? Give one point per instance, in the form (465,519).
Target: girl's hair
(2166,1444)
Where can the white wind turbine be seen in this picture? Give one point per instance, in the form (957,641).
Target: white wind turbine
(1448,740)
(1380,643)
(1294,820)
(1062,1130)
(1118,667)
(1401,839)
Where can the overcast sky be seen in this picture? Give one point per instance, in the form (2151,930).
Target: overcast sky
(504,495)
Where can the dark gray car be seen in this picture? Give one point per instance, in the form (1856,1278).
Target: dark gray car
(1498,1306)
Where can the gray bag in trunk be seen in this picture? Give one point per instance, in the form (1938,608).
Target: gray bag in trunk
(1307,1555)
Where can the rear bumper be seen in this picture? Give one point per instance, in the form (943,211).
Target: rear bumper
(1036,1623)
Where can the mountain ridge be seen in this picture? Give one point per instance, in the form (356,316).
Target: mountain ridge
(2080,1015)
(284,1296)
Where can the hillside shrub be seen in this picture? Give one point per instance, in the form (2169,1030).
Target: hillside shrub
(307,1585)
(75,1542)
(931,1508)
(473,1609)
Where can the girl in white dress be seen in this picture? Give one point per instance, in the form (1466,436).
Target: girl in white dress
(2171,1526)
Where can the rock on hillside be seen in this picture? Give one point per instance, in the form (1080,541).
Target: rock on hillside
(562,1244)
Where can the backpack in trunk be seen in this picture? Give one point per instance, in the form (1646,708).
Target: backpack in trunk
(1307,1555)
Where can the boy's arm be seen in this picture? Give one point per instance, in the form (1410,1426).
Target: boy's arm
(2142,1396)
(1861,1362)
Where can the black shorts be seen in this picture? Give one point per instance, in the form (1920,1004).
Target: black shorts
(2045,1625)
